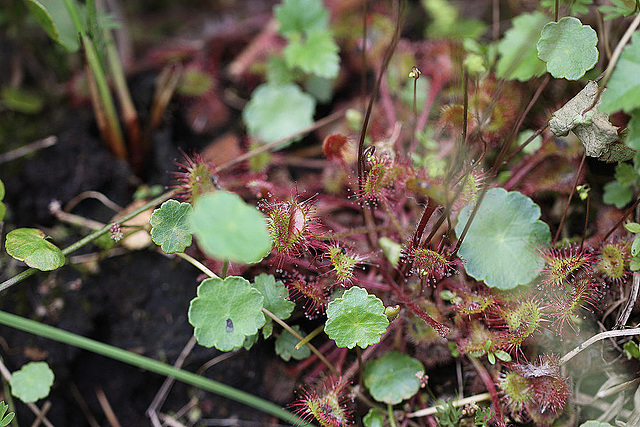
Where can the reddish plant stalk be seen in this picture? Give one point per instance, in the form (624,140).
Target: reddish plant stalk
(566,208)
(488,381)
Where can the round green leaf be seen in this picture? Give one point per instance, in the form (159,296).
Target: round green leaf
(518,55)
(568,48)
(228,228)
(356,319)
(171,228)
(225,312)
(278,111)
(286,346)
(32,382)
(501,244)
(29,245)
(393,378)
(623,89)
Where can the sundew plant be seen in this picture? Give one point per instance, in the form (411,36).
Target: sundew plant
(441,249)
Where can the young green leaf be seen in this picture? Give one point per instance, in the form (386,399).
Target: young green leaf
(357,318)
(278,111)
(500,245)
(32,382)
(54,18)
(373,418)
(276,295)
(276,300)
(228,228)
(391,250)
(5,420)
(393,378)
(625,174)
(631,350)
(633,127)
(632,227)
(617,194)
(171,228)
(617,9)
(21,100)
(301,16)
(518,55)
(29,245)
(624,86)
(568,48)
(286,343)
(225,312)
(635,246)
(315,54)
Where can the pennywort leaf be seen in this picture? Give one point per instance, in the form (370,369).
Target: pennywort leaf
(393,378)
(568,48)
(624,86)
(29,245)
(357,318)
(278,111)
(315,54)
(32,382)
(276,300)
(300,16)
(518,55)
(225,312)
(286,343)
(501,244)
(228,228)
(171,227)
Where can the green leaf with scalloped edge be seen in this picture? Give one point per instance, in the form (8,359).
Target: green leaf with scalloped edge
(286,343)
(171,228)
(518,55)
(278,111)
(29,245)
(617,194)
(32,382)
(501,246)
(225,312)
(276,299)
(623,89)
(356,318)
(393,378)
(228,228)
(568,47)
(633,128)
(316,54)
(276,295)
(300,16)
(373,418)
